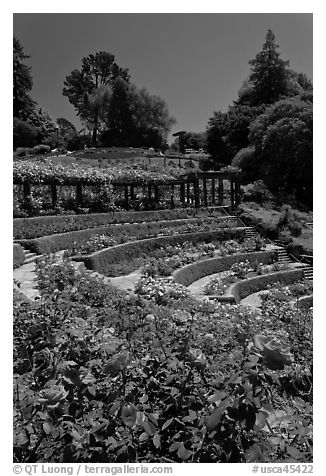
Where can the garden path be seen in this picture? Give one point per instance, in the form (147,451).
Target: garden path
(197,287)
(25,276)
(126,282)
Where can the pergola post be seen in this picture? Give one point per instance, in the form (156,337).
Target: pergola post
(79,194)
(232,193)
(54,195)
(26,190)
(126,197)
(237,191)
(196,192)
(220,191)
(213,191)
(205,192)
(132,192)
(156,194)
(182,192)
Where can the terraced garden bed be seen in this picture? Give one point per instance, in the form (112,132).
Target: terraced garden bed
(29,228)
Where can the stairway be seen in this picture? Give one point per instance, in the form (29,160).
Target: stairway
(283,256)
(308,273)
(251,233)
(29,256)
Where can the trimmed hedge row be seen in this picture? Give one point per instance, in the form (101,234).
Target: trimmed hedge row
(102,260)
(192,272)
(29,228)
(18,256)
(121,232)
(243,288)
(305,302)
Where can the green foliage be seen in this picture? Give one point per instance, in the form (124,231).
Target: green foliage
(256,192)
(269,74)
(102,375)
(24,135)
(40,149)
(44,226)
(89,89)
(282,137)
(18,255)
(22,83)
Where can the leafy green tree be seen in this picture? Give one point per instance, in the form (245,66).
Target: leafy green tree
(217,145)
(228,132)
(150,116)
(89,89)
(23,104)
(195,140)
(68,135)
(270,78)
(24,134)
(283,141)
(269,74)
(119,123)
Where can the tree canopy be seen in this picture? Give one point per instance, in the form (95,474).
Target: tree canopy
(89,89)
(23,104)
(268,130)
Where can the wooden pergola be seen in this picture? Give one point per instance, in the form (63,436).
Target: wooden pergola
(198,189)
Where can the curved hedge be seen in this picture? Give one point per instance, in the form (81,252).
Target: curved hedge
(305,302)
(18,256)
(121,232)
(100,261)
(243,288)
(29,228)
(192,272)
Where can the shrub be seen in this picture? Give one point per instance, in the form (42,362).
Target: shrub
(295,229)
(245,287)
(18,256)
(103,375)
(256,192)
(22,151)
(44,226)
(41,149)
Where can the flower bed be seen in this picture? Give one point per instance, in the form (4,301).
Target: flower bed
(245,287)
(29,228)
(192,272)
(102,261)
(104,375)
(120,233)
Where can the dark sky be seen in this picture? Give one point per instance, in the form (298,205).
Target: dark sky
(195,62)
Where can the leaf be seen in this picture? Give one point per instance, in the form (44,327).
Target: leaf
(114,407)
(254,454)
(143,436)
(92,390)
(175,446)
(183,453)
(218,396)
(294,452)
(149,427)
(214,419)
(167,423)
(191,417)
(260,420)
(129,415)
(47,428)
(140,418)
(157,441)
(116,365)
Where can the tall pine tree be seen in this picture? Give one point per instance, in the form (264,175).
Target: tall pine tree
(269,75)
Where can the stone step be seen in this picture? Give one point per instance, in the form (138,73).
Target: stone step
(308,272)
